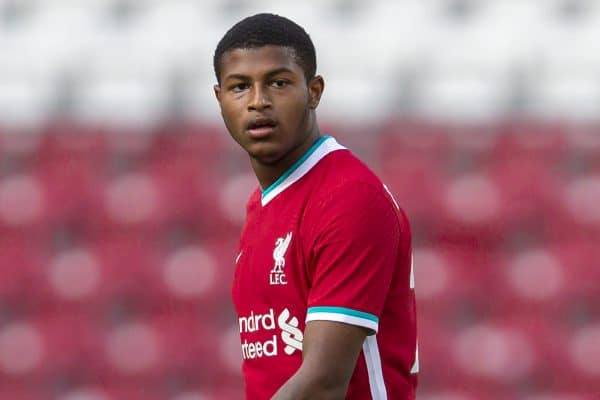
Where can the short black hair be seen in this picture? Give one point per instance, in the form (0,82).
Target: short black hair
(269,29)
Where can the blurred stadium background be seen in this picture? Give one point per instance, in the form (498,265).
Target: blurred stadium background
(122,196)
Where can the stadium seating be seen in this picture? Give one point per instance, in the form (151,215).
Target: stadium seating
(115,244)
(122,195)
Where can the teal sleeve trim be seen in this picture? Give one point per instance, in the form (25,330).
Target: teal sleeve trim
(344,311)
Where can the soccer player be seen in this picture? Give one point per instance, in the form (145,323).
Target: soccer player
(323,285)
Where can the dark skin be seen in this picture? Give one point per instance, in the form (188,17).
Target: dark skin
(267,84)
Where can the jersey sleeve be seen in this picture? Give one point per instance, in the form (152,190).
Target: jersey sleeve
(353,254)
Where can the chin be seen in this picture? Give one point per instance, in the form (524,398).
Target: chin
(265,153)
(266,159)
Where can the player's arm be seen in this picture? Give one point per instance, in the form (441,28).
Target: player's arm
(329,353)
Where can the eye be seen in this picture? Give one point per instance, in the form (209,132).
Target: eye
(240,87)
(280,83)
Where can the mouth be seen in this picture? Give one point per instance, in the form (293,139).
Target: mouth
(261,127)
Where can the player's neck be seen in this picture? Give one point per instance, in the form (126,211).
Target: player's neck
(267,174)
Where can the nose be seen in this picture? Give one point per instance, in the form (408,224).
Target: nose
(259,99)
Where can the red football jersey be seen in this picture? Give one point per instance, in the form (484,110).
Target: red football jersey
(326,241)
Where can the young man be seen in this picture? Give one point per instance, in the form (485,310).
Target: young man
(323,281)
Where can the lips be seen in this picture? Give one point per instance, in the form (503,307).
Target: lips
(261,127)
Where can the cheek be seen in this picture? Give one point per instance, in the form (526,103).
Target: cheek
(230,121)
(297,109)
(231,114)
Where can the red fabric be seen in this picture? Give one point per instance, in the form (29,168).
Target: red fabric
(349,247)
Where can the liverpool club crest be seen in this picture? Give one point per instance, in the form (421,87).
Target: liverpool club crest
(277,276)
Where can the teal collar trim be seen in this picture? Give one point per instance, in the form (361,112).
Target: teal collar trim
(295,166)
(323,146)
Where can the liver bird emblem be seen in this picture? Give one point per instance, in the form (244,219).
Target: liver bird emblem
(281,246)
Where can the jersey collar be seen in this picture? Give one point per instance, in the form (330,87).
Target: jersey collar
(323,146)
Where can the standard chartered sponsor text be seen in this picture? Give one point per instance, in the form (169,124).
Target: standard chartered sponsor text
(290,334)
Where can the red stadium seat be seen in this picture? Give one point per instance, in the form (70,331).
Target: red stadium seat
(190,190)
(70,185)
(232,392)
(579,214)
(71,162)
(85,393)
(70,141)
(67,343)
(73,281)
(138,275)
(471,148)
(190,347)
(450,282)
(581,298)
(583,351)
(130,350)
(178,346)
(188,163)
(199,394)
(494,355)
(417,185)
(46,349)
(194,276)
(457,394)
(413,137)
(22,351)
(234,196)
(531,192)
(227,357)
(575,395)
(23,205)
(518,287)
(129,148)
(565,355)
(18,149)
(542,141)
(583,144)
(117,253)
(19,270)
(554,358)
(189,140)
(546,339)
(19,392)
(548,291)
(146,391)
(104,274)
(130,204)
(474,210)
(412,158)
(128,268)
(434,341)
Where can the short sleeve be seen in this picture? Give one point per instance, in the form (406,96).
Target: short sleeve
(355,243)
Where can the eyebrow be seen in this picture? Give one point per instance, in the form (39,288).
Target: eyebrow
(270,73)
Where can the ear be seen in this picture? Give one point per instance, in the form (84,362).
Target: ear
(316,86)
(217,90)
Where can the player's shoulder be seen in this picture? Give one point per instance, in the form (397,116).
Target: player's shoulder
(346,170)
(344,164)
(349,182)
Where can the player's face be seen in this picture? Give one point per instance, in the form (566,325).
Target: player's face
(267,104)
